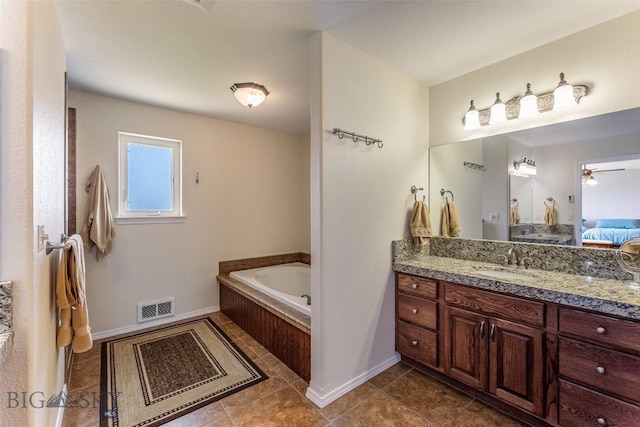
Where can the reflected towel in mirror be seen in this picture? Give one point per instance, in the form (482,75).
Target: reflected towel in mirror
(450,221)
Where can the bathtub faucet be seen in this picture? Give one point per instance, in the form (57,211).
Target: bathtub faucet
(308,297)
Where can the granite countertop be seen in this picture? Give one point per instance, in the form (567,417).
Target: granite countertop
(6,333)
(603,295)
(543,238)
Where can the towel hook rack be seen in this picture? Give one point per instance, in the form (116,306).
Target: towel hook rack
(50,246)
(549,201)
(356,137)
(443,191)
(414,191)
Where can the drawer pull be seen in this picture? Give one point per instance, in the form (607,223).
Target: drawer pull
(600,330)
(600,370)
(602,421)
(414,343)
(415,311)
(414,285)
(482,330)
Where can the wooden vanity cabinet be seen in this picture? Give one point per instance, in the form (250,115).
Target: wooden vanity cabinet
(598,369)
(417,319)
(502,357)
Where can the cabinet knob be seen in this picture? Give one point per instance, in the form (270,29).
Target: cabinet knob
(600,370)
(414,285)
(414,343)
(600,330)
(602,421)
(415,311)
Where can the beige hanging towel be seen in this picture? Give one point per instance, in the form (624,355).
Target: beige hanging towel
(550,213)
(450,226)
(98,228)
(71,298)
(515,218)
(420,223)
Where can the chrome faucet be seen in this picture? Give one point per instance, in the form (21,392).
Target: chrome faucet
(512,257)
(308,297)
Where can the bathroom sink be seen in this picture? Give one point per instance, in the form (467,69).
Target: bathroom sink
(504,274)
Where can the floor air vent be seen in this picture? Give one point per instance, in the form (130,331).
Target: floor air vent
(155,310)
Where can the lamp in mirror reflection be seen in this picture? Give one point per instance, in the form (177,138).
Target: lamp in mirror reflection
(249,94)
(524,167)
(528,105)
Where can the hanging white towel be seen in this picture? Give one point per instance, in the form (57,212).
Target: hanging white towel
(98,228)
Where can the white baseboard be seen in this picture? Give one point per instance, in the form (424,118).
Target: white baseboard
(60,415)
(139,326)
(323,400)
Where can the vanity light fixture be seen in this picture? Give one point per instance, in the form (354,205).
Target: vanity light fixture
(528,105)
(249,94)
(563,95)
(472,118)
(524,167)
(498,111)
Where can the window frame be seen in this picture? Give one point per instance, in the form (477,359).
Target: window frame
(126,216)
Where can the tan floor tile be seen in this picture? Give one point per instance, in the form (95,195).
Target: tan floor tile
(219,317)
(253,345)
(283,408)
(256,391)
(285,372)
(84,372)
(271,359)
(479,415)
(232,330)
(81,417)
(434,401)
(381,410)
(348,401)
(210,415)
(301,386)
(389,375)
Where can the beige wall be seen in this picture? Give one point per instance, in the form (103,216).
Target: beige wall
(252,200)
(604,57)
(32,192)
(361,201)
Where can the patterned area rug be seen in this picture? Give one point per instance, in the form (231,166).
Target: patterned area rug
(153,377)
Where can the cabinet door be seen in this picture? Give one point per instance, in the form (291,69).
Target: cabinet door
(517,364)
(466,347)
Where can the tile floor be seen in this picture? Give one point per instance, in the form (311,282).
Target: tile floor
(399,396)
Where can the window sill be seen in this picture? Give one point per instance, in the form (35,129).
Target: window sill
(150,219)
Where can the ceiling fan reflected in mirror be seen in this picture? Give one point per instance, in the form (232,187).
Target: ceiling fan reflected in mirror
(587,174)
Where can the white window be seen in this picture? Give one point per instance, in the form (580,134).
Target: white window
(150,185)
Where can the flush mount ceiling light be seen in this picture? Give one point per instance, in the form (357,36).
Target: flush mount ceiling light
(529,105)
(524,167)
(249,94)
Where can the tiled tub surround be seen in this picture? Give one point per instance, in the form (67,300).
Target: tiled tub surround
(276,326)
(558,273)
(6,334)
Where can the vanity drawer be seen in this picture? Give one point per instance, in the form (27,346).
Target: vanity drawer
(600,367)
(416,285)
(596,327)
(581,407)
(417,343)
(418,310)
(492,304)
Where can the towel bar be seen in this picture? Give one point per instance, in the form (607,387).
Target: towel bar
(50,246)
(443,191)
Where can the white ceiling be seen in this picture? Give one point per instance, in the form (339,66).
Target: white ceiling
(172,54)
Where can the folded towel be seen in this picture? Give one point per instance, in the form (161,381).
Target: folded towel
(98,228)
(450,226)
(515,218)
(550,214)
(420,223)
(71,300)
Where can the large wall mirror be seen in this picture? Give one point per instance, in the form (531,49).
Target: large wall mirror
(586,174)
